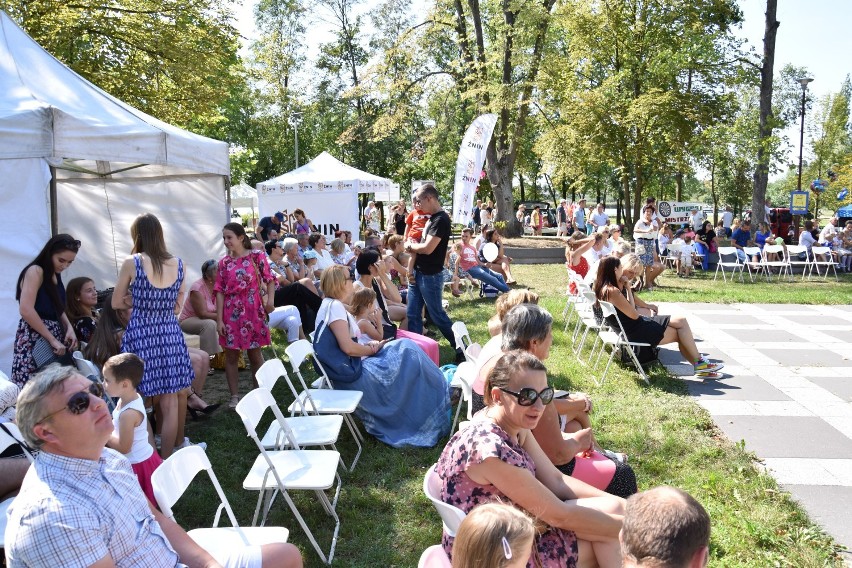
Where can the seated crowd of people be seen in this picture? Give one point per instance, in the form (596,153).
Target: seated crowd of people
(528,445)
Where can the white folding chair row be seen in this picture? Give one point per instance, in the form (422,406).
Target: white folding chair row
(617,340)
(309,429)
(172,478)
(822,256)
(286,470)
(571,300)
(314,402)
(463,378)
(728,259)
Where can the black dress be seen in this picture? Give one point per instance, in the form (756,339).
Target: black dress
(642,329)
(399,223)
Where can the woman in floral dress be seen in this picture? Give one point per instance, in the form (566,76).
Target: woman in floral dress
(496,458)
(245,293)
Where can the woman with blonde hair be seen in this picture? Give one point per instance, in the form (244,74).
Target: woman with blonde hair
(405,398)
(151,281)
(505,303)
(494,535)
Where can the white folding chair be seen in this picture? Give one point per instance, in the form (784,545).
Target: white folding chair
(464,342)
(451,516)
(733,263)
(823,257)
(472,352)
(591,323)
(434,557)
(794,254)
(750,264)
(463,378)
(672,255)
(171,479)
(311,404)
(617,340)
(312,430)
(288,469)
(782,263)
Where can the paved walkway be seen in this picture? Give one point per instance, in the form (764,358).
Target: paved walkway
(787,392)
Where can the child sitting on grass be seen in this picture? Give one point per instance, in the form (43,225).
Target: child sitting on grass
(687,256)
(122,375)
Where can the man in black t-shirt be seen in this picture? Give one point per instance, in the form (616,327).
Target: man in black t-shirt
(429,265)
(271,222)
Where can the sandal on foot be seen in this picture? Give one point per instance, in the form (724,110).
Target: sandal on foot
(234,401)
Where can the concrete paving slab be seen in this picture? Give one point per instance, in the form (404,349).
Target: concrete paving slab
(823,372)
(822,320)
(736,388)
(840,335)
(765,335)
(807,471)
(838,385)
(830,508)
(786,437)
(806,358)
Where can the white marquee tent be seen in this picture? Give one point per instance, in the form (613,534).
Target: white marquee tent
(327,191)
(76,160)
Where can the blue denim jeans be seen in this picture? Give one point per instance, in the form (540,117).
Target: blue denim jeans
(489,277)
(428,290)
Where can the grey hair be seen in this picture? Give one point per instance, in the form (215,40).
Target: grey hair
(30,409)
(287,244)
(523,324)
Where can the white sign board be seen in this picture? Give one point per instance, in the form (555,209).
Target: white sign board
(677,212)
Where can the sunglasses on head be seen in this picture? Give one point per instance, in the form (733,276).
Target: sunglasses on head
(527,396)
(78,403)
(72,245)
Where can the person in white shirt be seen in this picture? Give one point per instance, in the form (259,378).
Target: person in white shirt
(828,232)
(485,214)
(324,260)
(599,218)
(687,256)
(727,219)
(696,217)
(806,237)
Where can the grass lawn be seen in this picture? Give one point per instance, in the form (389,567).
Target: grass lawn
(386,520)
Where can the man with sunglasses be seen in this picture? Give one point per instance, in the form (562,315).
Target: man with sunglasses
(81,504)
(428,283)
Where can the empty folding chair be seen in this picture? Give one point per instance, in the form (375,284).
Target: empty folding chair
(311,403)
(798,255)
(753,268)
(309,431)
(464,342)
(823,257)
(463,378)
(171,480)
(617,340)
(729,260)
(288,470)
(451,516)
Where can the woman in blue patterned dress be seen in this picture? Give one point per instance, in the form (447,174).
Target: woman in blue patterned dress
(151,282)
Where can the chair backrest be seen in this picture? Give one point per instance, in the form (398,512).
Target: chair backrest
(461,334)
(796,250)
(171,479)
(269,373)
(728,251)
(472,352)
(251,409)
(86,367)
(673,248)
(451,516)
(751,251)
(821,251)
(300,350)
(434,557)
(773,249)
(466,373)
(609,310)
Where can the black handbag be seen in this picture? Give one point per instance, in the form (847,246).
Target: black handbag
(340,367)
(43,355)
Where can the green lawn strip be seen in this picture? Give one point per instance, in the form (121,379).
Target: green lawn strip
(387,521)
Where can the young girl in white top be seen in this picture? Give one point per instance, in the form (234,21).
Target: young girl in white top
(367,315)
(122,375)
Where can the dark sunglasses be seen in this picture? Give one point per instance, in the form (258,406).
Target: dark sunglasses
(73,246)
(528,396)
(79,402)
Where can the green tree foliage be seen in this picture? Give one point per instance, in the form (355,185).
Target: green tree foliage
(170,58)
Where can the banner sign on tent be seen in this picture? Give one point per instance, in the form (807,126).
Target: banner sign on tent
(329,212)
(677,212)
(369,186)
(469,165)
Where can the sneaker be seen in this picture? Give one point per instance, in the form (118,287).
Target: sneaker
(705,366)
(187,443)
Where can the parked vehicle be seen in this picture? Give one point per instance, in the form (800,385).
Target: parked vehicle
(547,210)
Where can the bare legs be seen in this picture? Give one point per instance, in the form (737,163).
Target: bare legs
(680,332)
(170,421)
(231,372)
(651,273)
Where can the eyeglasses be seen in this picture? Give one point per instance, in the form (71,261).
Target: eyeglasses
(527,396)
(79,402)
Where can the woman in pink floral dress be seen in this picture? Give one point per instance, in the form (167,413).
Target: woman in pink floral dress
(245,290)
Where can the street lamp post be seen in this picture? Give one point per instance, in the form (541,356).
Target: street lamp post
(295,120)
(804,83)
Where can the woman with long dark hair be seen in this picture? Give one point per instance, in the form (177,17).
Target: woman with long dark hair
(245,293)
(151,281)
(656,330)
(106,339)
(41,296)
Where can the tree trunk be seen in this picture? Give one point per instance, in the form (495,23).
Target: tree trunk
(761,174)
(521,186)
(679,186)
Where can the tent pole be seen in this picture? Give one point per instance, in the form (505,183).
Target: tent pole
(228,208)
(54,211)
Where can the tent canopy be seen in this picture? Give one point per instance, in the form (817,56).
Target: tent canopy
(109,162)
(325,173)
(243,195)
